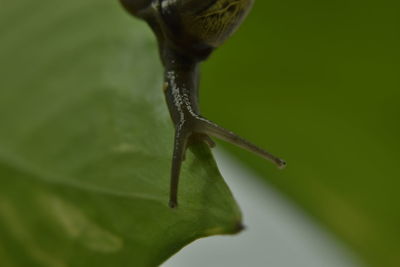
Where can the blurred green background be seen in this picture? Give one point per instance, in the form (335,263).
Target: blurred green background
(317,82)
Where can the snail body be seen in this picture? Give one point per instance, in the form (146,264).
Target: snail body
(187,32)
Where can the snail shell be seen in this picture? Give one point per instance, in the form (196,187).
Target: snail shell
(209,22)
(194,22)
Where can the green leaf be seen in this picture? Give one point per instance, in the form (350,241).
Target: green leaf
(86,143)
(317,83)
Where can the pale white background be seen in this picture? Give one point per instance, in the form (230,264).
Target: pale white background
(277,235)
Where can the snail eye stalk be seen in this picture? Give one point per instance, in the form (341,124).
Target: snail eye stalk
(187,32)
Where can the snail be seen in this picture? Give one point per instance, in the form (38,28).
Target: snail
(187,32)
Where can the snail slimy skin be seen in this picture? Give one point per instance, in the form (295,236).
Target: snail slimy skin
(187,32)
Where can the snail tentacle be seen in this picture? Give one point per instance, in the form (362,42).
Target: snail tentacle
(219,132)
(180,146)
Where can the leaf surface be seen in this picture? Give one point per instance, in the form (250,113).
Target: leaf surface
(86,143)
